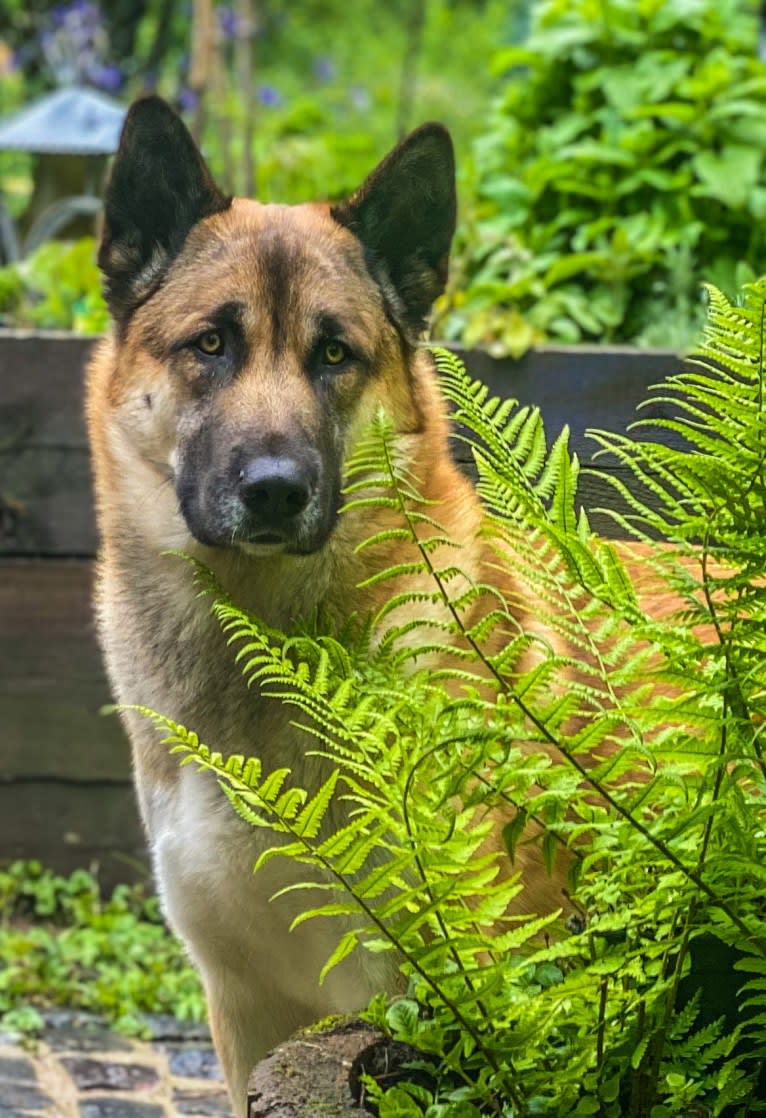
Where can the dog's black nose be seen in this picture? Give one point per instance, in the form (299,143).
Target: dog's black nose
(274,490)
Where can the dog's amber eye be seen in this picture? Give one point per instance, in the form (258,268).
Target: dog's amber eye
(211,343)
(334,353)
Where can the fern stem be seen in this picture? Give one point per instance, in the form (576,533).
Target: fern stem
(733,686)
(427,885)
(601,1028)
(549,828)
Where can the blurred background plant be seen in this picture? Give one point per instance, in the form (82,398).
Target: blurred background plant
(610,151)
(621,164)
(288,102)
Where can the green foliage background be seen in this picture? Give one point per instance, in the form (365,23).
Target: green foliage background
(622,162)
(326,83)
(608,162)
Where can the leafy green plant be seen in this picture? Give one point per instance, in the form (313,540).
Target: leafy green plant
(626,745)
(58,287)
(63,944)
(621,163)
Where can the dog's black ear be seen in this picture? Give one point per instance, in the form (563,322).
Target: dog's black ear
(404,215)
(158,189)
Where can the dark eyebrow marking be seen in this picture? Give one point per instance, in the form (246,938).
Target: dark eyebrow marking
(231,311)
(225,314)
(328,326)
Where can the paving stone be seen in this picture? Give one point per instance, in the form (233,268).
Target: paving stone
(193,1062)
(21,1096)
(91,1075)
(204,1105)
(16,1070)
(163,1027)
(82,1032)
(63,1018)
(119,1108)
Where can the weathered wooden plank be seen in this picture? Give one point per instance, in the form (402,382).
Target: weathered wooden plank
(52,683)
(580,388)
(46,504)
(66,825)
(41,378)
(66,795)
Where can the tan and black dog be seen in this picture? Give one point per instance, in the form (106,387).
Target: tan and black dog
(251,345)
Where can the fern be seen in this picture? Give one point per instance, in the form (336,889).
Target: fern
(631,745)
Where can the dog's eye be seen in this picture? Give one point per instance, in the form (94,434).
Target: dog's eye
(333,353)
(210,343)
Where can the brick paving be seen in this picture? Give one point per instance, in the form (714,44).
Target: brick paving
(81,1069)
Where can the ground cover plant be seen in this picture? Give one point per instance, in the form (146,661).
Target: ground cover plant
(620,165)
(63,944)
(631,750)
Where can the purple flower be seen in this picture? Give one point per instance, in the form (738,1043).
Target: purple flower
(75,45)
(228,22)
(82,16)
(269,96)
(109,78)
(324,68)
(187,100)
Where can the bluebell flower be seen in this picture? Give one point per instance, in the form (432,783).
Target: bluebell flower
(228,22)
(187,100)
(269,96)
(109,78)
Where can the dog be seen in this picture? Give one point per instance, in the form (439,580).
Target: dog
(251,346)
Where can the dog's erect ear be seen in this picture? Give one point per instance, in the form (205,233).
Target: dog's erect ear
(404,215)
(158,189)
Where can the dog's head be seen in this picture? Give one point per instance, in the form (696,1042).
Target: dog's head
(253,339)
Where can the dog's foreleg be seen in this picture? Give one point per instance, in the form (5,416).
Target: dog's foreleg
(247,1021)
(237,1033)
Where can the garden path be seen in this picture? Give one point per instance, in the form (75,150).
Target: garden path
(81,1069)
